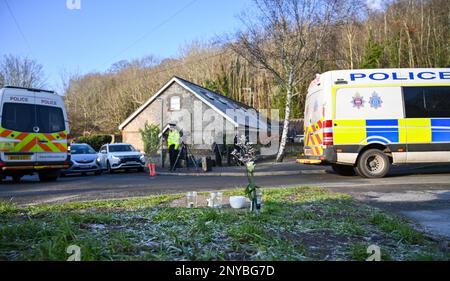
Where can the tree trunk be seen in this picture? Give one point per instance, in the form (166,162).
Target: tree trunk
(284,135)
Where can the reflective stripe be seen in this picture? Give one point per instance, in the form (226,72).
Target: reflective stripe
(313,138)
(31,142)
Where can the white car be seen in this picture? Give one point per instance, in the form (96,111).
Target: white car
(120,156)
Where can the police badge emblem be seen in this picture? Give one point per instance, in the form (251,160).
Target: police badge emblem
(375,101)
(358,101)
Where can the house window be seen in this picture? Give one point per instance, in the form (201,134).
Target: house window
(175,103)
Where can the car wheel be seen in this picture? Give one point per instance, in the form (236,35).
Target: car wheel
(99,172)
(48,176)
(16,178)
(108,167)
(373,163)
(343,170)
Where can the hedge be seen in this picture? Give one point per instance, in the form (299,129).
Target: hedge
(96,141)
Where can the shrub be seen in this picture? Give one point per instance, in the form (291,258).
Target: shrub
(150,138)
(96,141)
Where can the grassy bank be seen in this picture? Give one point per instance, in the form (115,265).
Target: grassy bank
(296,224)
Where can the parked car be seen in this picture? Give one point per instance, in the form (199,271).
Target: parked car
(83,160)
(299,139)
(120,156)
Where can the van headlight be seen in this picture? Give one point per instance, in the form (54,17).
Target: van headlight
(142,158)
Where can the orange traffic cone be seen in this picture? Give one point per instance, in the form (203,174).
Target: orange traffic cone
(152,169)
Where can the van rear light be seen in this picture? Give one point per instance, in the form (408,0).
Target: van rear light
(328,132)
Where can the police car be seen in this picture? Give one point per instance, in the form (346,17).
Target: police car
(364,121)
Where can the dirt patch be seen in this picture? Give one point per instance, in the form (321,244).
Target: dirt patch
(320,245)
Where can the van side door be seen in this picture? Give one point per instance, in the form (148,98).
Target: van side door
(427,110)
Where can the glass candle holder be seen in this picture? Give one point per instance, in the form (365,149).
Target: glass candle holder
(191,199)
(219,198)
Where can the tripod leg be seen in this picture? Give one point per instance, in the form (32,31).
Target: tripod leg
(176,160)
(191,155)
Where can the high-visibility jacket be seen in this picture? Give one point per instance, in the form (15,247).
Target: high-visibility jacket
(174,138)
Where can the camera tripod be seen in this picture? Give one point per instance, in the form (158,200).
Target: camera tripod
(189,155)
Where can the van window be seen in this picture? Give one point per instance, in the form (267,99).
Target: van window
(427,102)
(49,119)
(23,117)
(18,117)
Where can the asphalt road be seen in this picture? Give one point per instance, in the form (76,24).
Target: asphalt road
(421,192)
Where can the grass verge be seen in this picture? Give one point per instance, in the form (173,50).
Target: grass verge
(301,223)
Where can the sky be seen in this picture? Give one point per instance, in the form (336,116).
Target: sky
(65,39)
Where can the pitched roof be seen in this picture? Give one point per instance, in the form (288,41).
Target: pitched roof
(216,101)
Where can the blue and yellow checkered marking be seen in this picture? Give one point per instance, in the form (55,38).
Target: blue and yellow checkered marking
(440,131)
(386,131)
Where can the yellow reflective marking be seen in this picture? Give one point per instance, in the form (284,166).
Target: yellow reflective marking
(24,142)
(402,131)
(349,131)
(419,130)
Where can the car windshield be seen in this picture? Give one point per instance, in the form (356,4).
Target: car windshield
(121,148)
(81,149)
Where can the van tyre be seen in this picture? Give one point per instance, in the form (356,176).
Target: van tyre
(373,163)
(343,170)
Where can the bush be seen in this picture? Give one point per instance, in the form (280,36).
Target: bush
(95,141)
(150,138)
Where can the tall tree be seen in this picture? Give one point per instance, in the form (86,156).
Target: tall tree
(21,72)
(286,39)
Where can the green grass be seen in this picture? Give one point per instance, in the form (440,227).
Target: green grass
(302,223)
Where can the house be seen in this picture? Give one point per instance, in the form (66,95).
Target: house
(202,115)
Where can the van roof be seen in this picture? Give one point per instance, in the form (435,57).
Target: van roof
(381,76)
(29,89)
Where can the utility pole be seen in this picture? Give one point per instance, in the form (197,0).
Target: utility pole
(161,100)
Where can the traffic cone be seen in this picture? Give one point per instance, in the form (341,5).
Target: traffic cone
(152,169)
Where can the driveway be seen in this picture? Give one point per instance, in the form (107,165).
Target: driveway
(420,192)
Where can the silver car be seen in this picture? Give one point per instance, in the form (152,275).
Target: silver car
(83,160)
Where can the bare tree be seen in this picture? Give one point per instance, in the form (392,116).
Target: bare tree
(21,72)
(286,39)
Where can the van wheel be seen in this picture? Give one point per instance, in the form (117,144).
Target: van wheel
(373,163)
(16,178)
(48,176)
(343,170)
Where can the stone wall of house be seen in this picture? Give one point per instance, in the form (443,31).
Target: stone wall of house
(152,115)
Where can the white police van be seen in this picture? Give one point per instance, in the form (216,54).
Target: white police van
(33,133)
(364,121)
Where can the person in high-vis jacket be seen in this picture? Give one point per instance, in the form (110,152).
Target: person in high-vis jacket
(173,141)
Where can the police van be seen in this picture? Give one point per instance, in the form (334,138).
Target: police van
(33,133)
(364,121)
